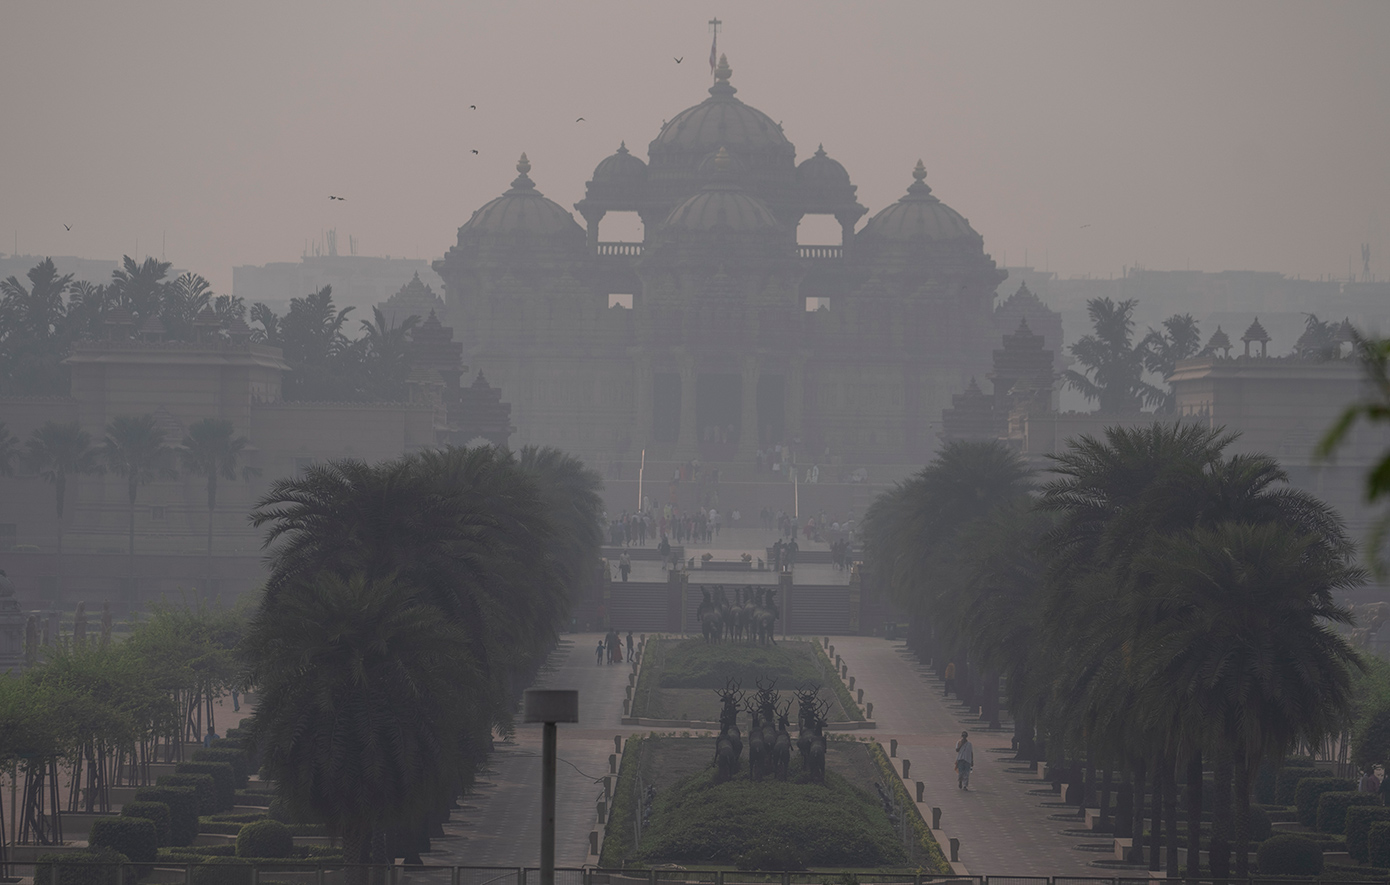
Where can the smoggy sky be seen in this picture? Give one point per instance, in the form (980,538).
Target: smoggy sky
(1093,135)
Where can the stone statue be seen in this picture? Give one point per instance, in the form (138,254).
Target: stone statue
(79,625)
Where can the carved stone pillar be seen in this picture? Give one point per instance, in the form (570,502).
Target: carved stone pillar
(592,218)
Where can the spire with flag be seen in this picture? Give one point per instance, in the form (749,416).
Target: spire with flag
(714,24)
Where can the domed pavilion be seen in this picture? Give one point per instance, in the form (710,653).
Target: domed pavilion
(720,333)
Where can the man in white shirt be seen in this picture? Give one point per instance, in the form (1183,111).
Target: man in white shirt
(965,760)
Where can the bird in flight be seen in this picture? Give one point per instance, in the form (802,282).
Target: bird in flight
(66,227)
(331,197)
(681,59)
(1084,226)
(472,107)
(475,152)
(580,120)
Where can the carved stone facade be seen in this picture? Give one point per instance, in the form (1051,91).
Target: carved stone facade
(718,354)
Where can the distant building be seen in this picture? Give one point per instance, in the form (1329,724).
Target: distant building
(358,281)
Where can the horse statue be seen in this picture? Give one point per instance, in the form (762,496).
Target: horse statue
(711,624)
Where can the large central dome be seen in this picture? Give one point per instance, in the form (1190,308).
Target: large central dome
(720,121)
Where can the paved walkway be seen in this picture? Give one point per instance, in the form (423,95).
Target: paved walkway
(1004,827)
(500,823)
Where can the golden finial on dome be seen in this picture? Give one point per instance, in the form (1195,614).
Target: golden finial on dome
(722,161)
(524,165)
(723,71)
(920,173)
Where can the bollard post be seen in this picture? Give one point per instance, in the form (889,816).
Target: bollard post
(935,818)
(607,788)
(851,683)
(920,787)
(593,842)
(625,706)
(893,747)
(869,710)
(860,696)
(825,641)
(844,671)
(831,650)
(955,850)
(617,743)
(602,811)
(629,692)
(612,763)
(906,765)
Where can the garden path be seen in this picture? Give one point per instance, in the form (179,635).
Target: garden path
(1004,829)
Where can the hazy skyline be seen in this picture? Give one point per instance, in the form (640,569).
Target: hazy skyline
(1093,135)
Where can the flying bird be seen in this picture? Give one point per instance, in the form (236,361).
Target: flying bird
(331,197)
(475,152)
(472,107)
(681,59)
(65,227)
(580,120)
(1084,226)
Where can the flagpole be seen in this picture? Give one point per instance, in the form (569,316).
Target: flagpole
(640,468)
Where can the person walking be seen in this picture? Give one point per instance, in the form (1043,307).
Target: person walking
(1369,782)
(625,565)
(629,645)
(965,760)
(950,679)
(598,656)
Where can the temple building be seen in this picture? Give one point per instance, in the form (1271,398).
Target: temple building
(718,334)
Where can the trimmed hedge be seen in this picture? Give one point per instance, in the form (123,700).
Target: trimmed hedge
(1286,781)
(237,870)
(1358,827)
(1332,809)
(1261,827)
(240,762)
(223,776)
(204,787)
(1305,796)
(183,810)
(265,838)
(135,837)
(1378,844)
(1289,855)
(258,798)
(157,812)
(90,867)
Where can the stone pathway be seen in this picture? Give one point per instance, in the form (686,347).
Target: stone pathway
(1004,828)
(500,823)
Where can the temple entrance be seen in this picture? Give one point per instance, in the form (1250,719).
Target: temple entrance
(772,406)
(718,411)
(666,407)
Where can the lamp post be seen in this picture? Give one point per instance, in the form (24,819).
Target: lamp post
(549,706)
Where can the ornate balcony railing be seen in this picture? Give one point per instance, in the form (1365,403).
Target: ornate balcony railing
(623,250)
(836,252)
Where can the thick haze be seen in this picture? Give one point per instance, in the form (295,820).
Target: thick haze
(1215,136)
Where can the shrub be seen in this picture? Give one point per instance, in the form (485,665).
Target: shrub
(1261,827)
(764,852)
(240,763)
(204,787)
(222,871)
(1378,843)
(223,777)
(1358,826)
(1305,796)
(1263,787)
(183,810)
(1371,740)
(1332,809)
(265,838)
(135,837)
(157,812)
(91,867)
(1289,855)
(1286,781)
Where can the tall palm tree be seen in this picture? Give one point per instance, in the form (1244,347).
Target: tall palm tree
(135,448)
(139,287)
(39,309)
(365,693)
(183,300)
(1180,339)
(1114,363)
(211,448)
(571,495)
(56,451)
(387,355)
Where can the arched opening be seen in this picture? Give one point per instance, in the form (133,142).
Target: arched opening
(819,230)
(622,227)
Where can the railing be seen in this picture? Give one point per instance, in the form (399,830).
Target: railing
(835,252)
(619,250)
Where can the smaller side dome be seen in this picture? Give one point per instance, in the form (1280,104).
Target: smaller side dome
(522,209)
(919,215)
(620,168)
(819,170)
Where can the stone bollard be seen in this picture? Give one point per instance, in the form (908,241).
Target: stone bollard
(832,653)
(920,787)
(625,706)
(955,850)
(617,743)
(607,788)
(936,817)
(907,764)
(632,679)
(629,692)
(851,683)
(860,696)
(837,661)
(602,811)
(869,710)
(844,671)
(825,640)
(612,763)
(893,747)
(593,841)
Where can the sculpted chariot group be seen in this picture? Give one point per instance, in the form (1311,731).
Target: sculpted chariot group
(752,616)
(769,738)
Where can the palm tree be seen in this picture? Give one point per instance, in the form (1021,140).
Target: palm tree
(139,288)
(38,310)
(135,448)
(8,450)
(183,300)
(1114,364)
(571,496)
(387,356)
(211,448)
(1180,339)
(1241,636)
(56,451)
(365,693)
